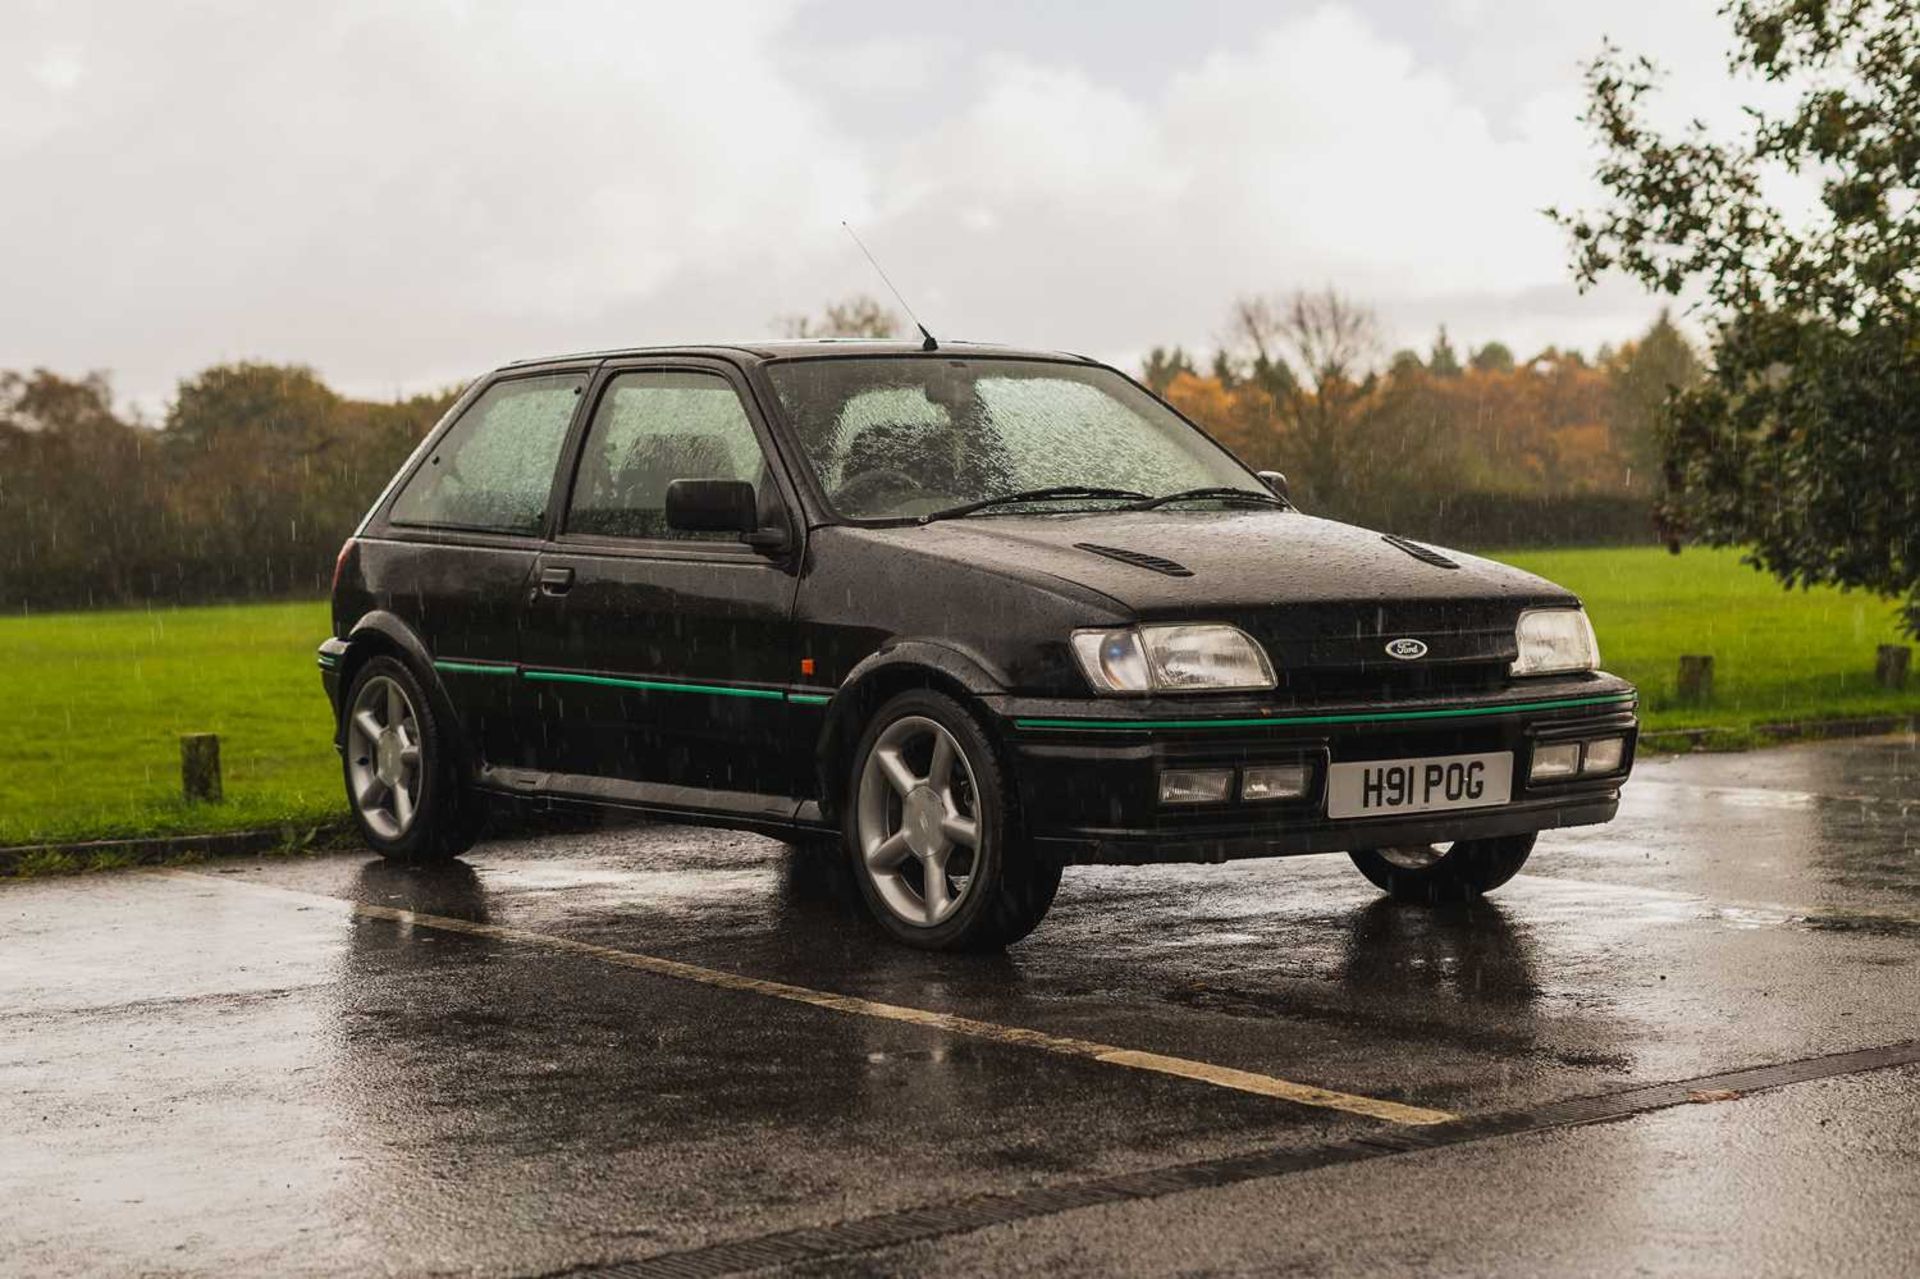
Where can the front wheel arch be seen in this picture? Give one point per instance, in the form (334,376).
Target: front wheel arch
(1012,885)
(872,685)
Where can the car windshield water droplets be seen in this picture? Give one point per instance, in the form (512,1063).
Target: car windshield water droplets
(901,438)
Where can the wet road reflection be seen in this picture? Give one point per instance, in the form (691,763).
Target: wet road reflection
(1465,955)
(421,1099)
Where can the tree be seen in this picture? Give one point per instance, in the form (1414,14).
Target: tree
(858,316)
(1803,444)
(1311,353)
(1646,374)
(1163,365)
(246,446)
(1443,361)
(1494,357)
(257,476)
(78,493)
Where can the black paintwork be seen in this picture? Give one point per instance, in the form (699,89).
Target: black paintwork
(981,607)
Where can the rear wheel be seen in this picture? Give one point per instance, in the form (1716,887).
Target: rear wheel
(934,834)
(1439,874)
(400,774)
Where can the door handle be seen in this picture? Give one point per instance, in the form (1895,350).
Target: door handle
(556,581)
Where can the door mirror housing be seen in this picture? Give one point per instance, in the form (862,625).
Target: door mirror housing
(724,506)
(1277,482)
(712,506)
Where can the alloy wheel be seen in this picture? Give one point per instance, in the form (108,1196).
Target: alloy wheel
(384,757)
(918,821)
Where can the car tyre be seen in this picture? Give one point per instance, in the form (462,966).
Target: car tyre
(1466,870)
(403,783)
(925,780)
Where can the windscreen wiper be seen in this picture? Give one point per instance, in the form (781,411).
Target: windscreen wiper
(1057,492)
(1218,493)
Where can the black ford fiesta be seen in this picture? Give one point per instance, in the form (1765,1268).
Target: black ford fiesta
(973,613)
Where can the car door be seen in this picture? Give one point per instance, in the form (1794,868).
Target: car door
(456,549)
(654,657)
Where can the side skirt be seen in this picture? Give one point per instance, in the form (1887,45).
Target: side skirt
(732,810)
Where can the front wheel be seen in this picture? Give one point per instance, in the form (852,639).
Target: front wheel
(400,774)
(933,831)
(1457,872)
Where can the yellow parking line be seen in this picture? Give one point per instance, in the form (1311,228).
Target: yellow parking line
(1155,1063)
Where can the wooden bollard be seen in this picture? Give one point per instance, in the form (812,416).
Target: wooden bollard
(1696,677)
(200,767)
(1890,669)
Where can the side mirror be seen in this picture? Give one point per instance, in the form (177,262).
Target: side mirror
(712,506)
(723,506)
(1277,482)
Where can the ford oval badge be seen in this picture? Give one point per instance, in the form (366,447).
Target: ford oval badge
(1406,649)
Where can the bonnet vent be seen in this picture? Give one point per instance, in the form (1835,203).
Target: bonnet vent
(1425,554)
(1139,559)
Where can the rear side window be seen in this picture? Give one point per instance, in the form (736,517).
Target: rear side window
(650,429)
(491,472)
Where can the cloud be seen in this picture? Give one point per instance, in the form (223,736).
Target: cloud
(404,192)
(1055,211)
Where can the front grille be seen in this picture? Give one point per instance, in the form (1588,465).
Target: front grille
(1389,683)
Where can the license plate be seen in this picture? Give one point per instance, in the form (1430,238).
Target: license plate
(1382,787)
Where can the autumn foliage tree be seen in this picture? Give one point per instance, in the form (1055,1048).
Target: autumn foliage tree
(1382,446)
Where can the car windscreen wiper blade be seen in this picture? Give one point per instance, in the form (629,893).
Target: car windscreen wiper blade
(1058,492)
(1218,493)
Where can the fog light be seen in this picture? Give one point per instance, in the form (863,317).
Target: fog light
(1604,755)
(1275,781)
(1561,759)
(1195,786)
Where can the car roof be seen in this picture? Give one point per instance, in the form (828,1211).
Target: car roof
(806,348)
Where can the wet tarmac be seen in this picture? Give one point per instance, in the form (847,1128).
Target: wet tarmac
(659,1048)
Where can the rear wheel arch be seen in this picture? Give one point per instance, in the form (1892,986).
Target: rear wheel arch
(402,772)
(384,635)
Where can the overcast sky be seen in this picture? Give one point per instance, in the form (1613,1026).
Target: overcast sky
(403,193)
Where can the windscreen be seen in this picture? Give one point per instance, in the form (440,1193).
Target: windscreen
(895,437)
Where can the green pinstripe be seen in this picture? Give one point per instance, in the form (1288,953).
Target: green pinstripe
(643,685)
(474,668)
(652,686)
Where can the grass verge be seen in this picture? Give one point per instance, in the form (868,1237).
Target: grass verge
(1779,655)
(99,700)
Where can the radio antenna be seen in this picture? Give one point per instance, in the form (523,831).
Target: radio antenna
(929,344)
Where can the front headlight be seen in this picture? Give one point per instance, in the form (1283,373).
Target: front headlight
(1171,659)
(1554,641)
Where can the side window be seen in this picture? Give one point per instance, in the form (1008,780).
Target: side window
(491,472)
(650,429)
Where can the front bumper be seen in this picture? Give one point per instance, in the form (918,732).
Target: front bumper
(1088,772)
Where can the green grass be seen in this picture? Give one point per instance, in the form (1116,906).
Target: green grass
(1777,654)
(97,701)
